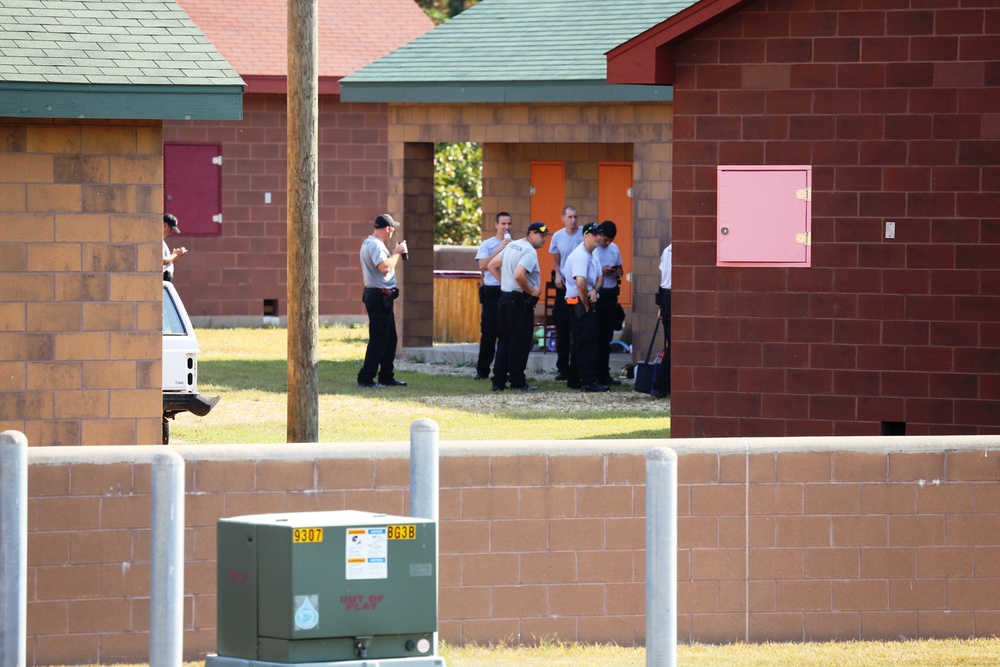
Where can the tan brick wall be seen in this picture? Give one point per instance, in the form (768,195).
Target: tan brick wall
(804,540)
(79,264)
(515,134)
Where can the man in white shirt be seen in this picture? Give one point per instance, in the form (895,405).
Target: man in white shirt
(661,383)
(378,268)
(563,243)
(489,294)
(609,258)
(581,297)
(520,285)
(170,227)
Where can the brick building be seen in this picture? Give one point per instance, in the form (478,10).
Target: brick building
(233,210)
(526,79)
(798,314)
(891,322)
(80,209)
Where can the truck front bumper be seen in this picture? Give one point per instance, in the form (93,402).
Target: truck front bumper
(197,404)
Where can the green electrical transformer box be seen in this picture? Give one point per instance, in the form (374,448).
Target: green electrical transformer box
(313,587)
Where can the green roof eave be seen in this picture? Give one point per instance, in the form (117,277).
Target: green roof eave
(134,102)
(499,92)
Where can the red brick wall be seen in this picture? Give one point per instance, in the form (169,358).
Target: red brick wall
(228,277)
(896,110)
(811,539)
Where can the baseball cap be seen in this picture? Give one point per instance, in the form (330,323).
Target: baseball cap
(385,220)
(539,227)
(608,229)
(591,228)
(171,220)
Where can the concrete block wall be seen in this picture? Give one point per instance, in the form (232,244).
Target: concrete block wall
(226,278)
(894,105)
(804,539)
(80,292)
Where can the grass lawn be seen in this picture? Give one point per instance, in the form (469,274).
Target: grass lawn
(248,368)
(928,653)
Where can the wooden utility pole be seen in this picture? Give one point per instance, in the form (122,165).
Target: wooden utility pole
(303,222)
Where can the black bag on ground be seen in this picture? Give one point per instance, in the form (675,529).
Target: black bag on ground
(645,372)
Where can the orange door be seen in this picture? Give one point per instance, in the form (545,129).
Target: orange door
(548,196)
(614,202)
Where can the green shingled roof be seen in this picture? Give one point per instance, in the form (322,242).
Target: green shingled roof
(108,59)
(515,50)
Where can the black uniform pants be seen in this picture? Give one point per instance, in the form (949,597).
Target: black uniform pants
(381,337)
(607,313)
(489,297)
(662,381)
(515,324)
(561,319)
(582,368)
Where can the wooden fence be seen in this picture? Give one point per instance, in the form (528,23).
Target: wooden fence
(456,306)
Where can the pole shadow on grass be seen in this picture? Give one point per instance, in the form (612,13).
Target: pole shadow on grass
(340,377)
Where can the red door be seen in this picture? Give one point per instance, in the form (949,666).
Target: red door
(192,187)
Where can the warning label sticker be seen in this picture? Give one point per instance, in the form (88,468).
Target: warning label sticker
(367,553)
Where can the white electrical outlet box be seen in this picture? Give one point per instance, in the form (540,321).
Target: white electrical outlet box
(890,230)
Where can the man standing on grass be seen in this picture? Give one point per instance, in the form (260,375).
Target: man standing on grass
(563,243)
(378,266)
(489,294)
(609,258)
(520,285)
(582,272)
(661,384)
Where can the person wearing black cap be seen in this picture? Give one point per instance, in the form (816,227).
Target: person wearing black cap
(609,258)
(170,227)
(378,267)
(520,285)
(581,297)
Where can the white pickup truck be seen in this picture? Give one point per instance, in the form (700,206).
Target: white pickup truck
(180,363)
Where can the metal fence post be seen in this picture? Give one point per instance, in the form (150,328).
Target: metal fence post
(424,469)
(13,548)
(166,573)
(425,483)
(661,558)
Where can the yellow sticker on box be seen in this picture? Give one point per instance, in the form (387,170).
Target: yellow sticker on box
(406,532)
(307,535)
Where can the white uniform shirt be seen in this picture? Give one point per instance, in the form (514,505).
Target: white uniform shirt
(373,253)
(666,264)
(563,244)
(581,263)
(167,268)
(519,253)
(610,256)
(485,250)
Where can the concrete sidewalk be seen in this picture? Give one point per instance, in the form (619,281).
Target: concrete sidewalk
(467,354)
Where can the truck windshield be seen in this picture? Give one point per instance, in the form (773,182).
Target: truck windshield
(172,323)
